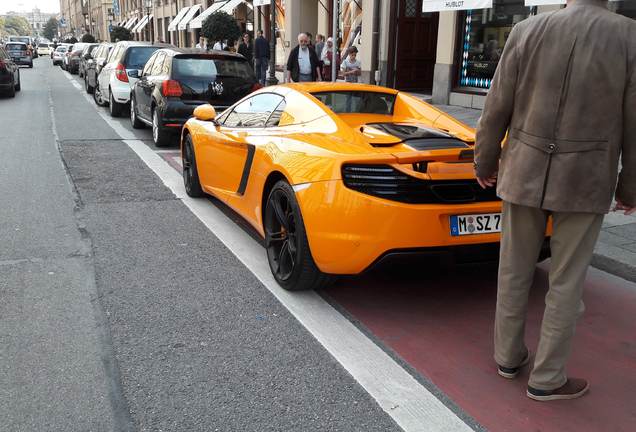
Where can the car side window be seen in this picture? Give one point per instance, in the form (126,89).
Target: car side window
(253,112)
(274,118)
(148,66)
(113,55)
(157,66)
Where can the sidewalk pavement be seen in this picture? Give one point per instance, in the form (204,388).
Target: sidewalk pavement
(615,250)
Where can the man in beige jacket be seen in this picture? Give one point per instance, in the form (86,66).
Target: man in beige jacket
(565,94)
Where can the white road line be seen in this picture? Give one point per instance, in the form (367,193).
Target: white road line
(409,403)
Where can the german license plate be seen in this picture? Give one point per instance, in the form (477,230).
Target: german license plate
(475,224)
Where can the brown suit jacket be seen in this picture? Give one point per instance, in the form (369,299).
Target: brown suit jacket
(565,91)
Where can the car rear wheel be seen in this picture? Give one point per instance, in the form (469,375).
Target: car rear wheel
(18,85)
(286,242)
(97,96)
(11,92)
(87,86)
(190,172)
(134,120)
(159,136)
(116,109)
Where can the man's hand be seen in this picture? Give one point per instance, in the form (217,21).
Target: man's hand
(486,182)
(620,206)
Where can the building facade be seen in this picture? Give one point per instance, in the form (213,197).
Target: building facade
(439,48)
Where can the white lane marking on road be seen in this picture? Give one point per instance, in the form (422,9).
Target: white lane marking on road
(409,403)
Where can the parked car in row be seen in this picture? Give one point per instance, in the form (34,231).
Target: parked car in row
(124,64)
(95,64)
(20,53)
(44,49)
(58,54)
(72,57)
(175,81)
(9,74)
(85,56)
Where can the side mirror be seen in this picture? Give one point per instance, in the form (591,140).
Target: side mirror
(133,73)
(205,112)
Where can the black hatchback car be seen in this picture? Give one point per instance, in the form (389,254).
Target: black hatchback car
(175,81)
(9,74)
(20,53)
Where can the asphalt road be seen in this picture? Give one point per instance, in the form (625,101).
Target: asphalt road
(120,311)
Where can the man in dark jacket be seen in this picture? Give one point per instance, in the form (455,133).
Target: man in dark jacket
(560,160)
(261,57)
(246,49)
(303,64)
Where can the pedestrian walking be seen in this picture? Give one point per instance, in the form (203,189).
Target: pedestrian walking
(351,67)
(565,92)
(246,49)
(326,57)
(302,64)
(320,44)
(261,57)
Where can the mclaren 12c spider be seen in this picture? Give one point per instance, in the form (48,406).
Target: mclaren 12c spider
(336,176)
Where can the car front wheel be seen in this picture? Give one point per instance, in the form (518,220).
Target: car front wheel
(286,242)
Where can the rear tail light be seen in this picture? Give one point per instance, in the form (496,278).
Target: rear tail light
(256,86)
(120,73)
(171,88)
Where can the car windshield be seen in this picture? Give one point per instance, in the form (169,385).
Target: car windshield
(16,47)
(357,102)
(21,39)
(60,49)
(138,56)
(207,67)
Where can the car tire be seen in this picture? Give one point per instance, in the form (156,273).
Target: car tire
(115,108)
(190,172)
(18,86)
(11,92)
(288,252)
(159,136)
(134,119)
(87,86)
(80,74)
(98,97)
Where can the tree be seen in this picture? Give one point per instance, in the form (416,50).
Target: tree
(50,29)
(88,38)
(220,26)
(71,40)
(16,25)
(120,34)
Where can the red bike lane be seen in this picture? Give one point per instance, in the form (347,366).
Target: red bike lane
(439,320)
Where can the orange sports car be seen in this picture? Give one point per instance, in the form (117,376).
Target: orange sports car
(336,176)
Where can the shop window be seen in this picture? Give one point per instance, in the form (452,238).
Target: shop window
(484,36)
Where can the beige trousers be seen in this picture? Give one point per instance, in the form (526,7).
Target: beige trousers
(572,244)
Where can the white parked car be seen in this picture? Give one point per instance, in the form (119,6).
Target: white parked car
(119,75)
(44,49)
(58,54)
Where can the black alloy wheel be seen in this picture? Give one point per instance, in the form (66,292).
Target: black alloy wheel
(160,136)
(286,242)
(190,172)
(134,119)
(87,86)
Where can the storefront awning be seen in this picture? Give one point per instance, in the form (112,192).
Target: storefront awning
(220,5)
(175,22)
(183,24)
(453,5)
(142,24)
(130,23)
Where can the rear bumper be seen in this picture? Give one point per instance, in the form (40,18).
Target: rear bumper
(28,62)
(177,112)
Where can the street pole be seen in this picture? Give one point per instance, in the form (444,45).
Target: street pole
(334,54)
(272,80)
